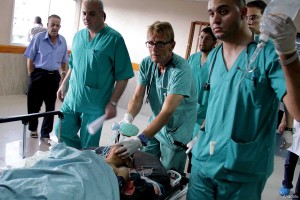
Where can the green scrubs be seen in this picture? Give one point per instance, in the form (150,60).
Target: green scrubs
(177,79)
(200,73)
(95,65)
(241,118)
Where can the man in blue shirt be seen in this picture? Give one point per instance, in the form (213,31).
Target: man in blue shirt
(46,53)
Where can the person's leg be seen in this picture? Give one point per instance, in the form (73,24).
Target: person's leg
(238,190)
(173,158)
(200,186)
(34,98)
(297,189)
(289,168)
(70,126)
(49,95)
(87,139)
(153,147)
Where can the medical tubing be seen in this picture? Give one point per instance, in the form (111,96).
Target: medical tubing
(277,7)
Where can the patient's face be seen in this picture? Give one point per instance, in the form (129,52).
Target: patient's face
(113,158)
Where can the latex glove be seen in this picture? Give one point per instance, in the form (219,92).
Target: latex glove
(287,139)
(191,144)
(128,118)
(129,147)
(282,30)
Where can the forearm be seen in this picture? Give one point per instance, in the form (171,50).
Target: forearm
(118,90)
(65,82)
(170,105)
(292,97)
(29,66)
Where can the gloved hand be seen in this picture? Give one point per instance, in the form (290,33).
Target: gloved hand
(287,139)
(282,30)
(128,118)
(191,144)
(129,146)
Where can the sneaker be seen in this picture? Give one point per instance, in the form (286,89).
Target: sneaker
(284,191)
(34,134)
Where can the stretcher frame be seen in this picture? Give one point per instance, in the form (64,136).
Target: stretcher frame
(25,120)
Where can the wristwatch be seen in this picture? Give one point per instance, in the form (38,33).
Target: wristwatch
(144,139)
(113,103)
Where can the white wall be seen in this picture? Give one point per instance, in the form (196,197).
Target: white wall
(132,17)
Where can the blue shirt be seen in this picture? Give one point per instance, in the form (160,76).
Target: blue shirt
(44,54)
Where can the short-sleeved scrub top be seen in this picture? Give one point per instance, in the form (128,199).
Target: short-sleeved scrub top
(177,79)
(241,116)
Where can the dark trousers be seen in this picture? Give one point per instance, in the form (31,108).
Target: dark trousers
(289,169)
(42,87)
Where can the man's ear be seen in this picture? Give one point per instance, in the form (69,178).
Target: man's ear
(173,45)
(104,15)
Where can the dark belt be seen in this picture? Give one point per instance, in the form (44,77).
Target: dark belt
(47,71)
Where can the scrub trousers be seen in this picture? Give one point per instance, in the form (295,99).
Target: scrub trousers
(42,87)
(289,169)
(171,158)
(74,131)
(203,187)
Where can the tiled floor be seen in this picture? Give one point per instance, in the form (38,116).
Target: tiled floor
(11,142)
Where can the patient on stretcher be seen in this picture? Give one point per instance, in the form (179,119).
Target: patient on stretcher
(129,178)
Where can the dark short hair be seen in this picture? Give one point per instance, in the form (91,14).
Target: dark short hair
(257,4)
(54,16)
(209,31)
(38,20)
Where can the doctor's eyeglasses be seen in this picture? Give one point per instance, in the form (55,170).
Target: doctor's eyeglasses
(252,17)
(160,45)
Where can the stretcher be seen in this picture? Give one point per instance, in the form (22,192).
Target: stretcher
(173,183)
(25,120)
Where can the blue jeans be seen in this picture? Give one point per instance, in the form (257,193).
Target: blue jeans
(289,169)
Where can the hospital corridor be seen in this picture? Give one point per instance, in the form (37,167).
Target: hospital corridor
(11,141)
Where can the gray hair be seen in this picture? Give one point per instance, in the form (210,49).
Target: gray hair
(99,2)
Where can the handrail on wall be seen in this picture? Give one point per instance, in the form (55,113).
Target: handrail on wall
(21,49)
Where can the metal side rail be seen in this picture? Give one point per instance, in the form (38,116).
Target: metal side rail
(25,119)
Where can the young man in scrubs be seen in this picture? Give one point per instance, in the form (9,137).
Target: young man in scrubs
(167,82)
(99,71)
(197,61)
(255,10)
(234,157)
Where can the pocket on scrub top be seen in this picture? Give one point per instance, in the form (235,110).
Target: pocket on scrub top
(92,97)
(252,86)
(249,158)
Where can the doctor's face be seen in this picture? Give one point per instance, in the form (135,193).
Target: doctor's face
(92,15)
(160,48)
(225,18)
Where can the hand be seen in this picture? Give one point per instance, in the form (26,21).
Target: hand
(129,147)
(282,30)
(191,144)
(128,118)
(281,127)
(61,93)
(287,139)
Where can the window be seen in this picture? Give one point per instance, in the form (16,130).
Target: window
(26,10)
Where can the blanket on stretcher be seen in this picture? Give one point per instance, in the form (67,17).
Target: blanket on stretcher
(67,174)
